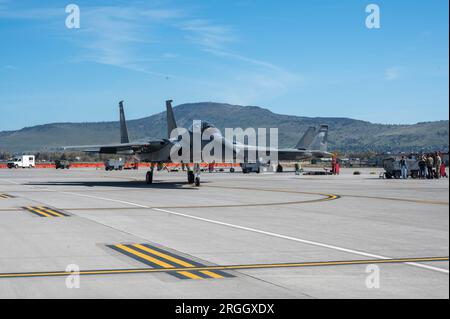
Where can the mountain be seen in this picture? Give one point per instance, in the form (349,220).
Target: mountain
(345,134)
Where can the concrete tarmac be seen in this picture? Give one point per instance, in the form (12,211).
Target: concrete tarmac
(236,236)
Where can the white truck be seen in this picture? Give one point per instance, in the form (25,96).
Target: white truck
(24,161)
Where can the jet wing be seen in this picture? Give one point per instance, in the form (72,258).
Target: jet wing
(286,154)
(123,148)
(294,154)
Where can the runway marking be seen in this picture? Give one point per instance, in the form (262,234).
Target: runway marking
(162,259)
(417,201)
(338,196)
(304,241)
(224,268)
(6,196)
(42,211)
(328,197)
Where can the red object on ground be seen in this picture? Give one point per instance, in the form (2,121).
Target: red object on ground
(102,165)
(333,165)
(443,171)
(337,167)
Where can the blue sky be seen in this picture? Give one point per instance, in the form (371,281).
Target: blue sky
(308,58)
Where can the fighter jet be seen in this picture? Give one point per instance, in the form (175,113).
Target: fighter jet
(164,150)
(312,145)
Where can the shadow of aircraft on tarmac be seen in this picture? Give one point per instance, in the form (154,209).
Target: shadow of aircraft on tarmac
(119,184)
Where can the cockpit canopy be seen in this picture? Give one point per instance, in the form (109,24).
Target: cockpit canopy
(201,126)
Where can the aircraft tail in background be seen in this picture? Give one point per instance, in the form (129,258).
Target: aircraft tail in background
(123,126)
(171,123)
(320,141)
(306,139)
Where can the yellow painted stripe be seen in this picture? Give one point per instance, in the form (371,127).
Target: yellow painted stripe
(34,209)
(190,275)
(162,255)
(51,211)
(230,267)
(176,260)
(144,256)
(211,274)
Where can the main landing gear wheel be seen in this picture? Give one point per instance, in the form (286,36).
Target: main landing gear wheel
(191,177)
(197,181)
(149,178)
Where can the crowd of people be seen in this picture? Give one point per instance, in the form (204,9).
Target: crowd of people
(431,166)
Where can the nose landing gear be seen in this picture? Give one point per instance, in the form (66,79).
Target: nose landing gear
(149,175)
(191,177)
(194,176)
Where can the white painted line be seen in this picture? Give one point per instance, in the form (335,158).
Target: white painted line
(11,182)
(106,199)
(29,186)
(303,241)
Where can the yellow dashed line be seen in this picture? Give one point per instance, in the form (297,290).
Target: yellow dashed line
(211,274)
(51,211)
(170,258)
(190,275)
(177,261)
(144,256)
(35,210)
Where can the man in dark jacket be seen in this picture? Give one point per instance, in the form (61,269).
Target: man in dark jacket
(423,167)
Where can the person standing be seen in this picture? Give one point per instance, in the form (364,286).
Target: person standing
(430,164)
(423,167)
(333,164)
(338,167)
(437,164)
(404,168)
(298,168)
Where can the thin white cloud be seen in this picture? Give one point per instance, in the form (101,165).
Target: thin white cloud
(29,14)
(250,80)
(111,35)
(123,36)
(244,59)
(10,67)
(206,34)
(392,73)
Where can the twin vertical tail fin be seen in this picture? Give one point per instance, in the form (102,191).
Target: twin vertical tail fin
(306,139)
(320,142)
(171,123)
(123,126)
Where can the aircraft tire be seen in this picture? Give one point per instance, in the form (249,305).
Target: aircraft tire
(149,178)
(197,181)
(191,177)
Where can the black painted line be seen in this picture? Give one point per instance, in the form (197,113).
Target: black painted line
(54,212)
(32,210)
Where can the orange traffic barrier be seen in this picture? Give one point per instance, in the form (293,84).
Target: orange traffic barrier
(127,165)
